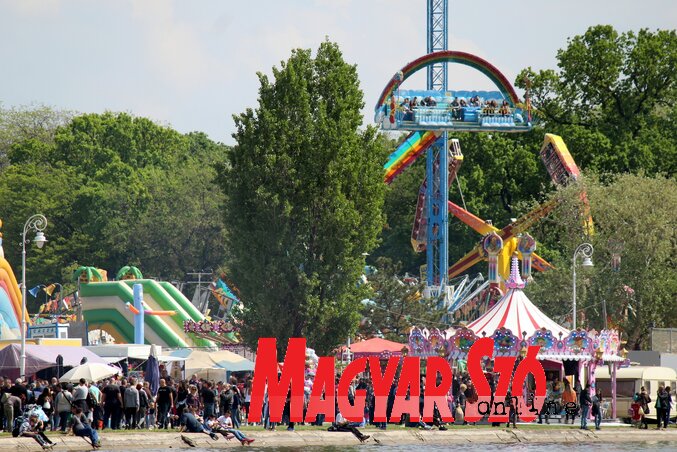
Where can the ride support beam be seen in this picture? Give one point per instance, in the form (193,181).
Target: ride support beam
(437,39)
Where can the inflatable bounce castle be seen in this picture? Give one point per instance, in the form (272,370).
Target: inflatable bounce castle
(10,300)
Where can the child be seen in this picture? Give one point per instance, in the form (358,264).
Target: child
(636,412)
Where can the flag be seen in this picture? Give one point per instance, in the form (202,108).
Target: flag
(50,289)
(34,291)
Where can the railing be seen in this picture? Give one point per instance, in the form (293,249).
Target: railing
(446,114)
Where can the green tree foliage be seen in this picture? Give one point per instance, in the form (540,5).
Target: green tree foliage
(634,215)
(395,306)
(116,190)
(32,126)
(614,99)
(304,194)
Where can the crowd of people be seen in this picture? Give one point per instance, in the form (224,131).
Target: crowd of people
(193,405)
(219,408)
(457,106)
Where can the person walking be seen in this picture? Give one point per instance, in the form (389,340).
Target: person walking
(644,401)
(112,405)
(668,407)
(235,407)
(46,401)
(130,401)
(663,412)
(597,408)
(94,403)
(586,401)
(660,406)
(80,396)
(144,403)
(64,403)
(164,401)
(208,397)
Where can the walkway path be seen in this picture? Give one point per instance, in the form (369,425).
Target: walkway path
(395,436)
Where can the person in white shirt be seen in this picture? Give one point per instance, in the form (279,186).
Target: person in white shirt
(224,426)
(343,425)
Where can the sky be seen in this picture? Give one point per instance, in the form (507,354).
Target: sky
(193,64)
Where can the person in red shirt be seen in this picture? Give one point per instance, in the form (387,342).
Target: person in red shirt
(636,412)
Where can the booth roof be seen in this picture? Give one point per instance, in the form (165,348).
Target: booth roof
(376,346)
(113,353)
(39,357)
(197,360)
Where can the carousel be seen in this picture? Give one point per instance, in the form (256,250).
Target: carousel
(514,323)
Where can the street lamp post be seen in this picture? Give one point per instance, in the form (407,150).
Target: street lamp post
(586,250)
(36,223)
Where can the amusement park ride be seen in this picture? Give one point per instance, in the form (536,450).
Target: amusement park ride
(428,122)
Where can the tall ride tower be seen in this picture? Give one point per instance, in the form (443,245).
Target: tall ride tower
(437,169)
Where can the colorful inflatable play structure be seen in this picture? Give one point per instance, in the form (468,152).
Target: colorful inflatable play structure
(10,299)
(109,305)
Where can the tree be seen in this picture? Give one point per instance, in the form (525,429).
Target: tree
(32,126)
(116,190)
(614,99)
(304,194)
(634,217)
(395,306)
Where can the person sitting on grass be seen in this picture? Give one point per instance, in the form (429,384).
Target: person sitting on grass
(32,428)
(343,425)
(82,428)
(224,426)
(190,423)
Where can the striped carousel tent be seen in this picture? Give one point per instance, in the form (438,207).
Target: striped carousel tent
(515,312)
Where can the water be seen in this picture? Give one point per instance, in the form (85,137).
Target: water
(649,446)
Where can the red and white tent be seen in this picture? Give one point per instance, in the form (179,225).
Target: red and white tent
(515,312)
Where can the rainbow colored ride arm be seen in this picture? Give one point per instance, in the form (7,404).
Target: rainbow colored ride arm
(407,153)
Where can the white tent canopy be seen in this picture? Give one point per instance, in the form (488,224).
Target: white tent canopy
(515,312)
(213,365)
(113,353)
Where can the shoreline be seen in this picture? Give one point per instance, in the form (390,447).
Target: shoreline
(304,438)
